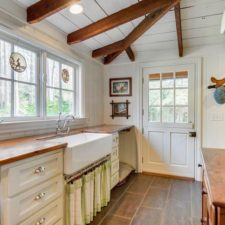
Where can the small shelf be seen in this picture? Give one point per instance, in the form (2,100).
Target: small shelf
(120,109)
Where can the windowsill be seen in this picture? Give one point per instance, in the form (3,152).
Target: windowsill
(32,125)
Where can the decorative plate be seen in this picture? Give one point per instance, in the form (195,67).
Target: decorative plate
(17,62)
(65,75)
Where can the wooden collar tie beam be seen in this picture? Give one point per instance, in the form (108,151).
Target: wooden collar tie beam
(113,50)
(123,16)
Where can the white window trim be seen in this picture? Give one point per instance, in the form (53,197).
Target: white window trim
(14,123)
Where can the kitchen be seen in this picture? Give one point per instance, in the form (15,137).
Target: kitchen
(112,112)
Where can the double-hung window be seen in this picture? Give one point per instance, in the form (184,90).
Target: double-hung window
(60,93)
(18,91)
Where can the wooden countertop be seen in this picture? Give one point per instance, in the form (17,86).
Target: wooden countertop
(107,128)
(214,163)
(20,148)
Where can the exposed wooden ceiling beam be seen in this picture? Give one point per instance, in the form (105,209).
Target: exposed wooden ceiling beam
(130,54)
(123,16)
(45,8)
(179,29)
(109,49)
(109,58)
(145,25)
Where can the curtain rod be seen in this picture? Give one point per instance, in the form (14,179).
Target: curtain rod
(79,173)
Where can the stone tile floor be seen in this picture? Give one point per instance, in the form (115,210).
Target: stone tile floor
(151,200)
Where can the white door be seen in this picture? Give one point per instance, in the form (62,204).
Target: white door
(169,120)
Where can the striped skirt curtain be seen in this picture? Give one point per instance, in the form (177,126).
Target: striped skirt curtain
(86,196)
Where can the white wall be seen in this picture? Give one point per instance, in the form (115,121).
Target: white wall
(213,64)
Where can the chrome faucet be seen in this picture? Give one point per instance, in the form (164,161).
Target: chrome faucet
(65,128)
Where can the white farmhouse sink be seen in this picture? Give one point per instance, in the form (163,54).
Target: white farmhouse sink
(83,149)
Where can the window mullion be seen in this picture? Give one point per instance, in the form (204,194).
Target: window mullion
(12,90)
(60,87)
(174,98)
(161,98)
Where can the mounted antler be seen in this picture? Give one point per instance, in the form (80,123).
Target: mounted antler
(218,82)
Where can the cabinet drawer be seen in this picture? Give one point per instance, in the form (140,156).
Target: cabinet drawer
(33,171)
(48,215)
(114,180)
(115,165)
(115,154)
(29,202)
(115,141)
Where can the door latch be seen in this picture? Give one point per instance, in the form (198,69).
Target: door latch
(192,134)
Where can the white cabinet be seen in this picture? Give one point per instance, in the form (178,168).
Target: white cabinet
(32,190)
(33,172)
(49,215)
(115,161)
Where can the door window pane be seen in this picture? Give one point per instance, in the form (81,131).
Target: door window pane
(53,98)
(167,97)
(5,98)
(154,97)
(167,80)
(168,114)
(154,81)
(5,52)
(25,100)
(70,84)
(181,114)
(154,114)
(181,96)
(29,75)
(182,79)
(67,102)
(52,73)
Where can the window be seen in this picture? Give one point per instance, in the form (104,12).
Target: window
(18,91)
(60,96)
(40,91)
(168,97)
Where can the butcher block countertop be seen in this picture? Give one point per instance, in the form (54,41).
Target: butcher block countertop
(214,163)
(107,129)
(21,148)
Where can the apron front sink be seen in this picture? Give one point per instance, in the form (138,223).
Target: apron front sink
(84,149)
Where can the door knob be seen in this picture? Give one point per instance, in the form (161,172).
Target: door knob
(192,134)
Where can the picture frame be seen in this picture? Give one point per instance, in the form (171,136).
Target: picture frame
(119,87)
(120,109)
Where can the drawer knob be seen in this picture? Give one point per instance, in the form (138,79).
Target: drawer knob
(41,221)
(39,170)
(40,196)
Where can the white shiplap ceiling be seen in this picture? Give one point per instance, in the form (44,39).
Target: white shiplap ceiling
(200,23)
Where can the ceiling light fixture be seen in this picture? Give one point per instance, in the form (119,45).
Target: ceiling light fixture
(76,8)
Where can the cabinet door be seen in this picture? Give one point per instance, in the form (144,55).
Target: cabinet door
(204,204)
(220,216)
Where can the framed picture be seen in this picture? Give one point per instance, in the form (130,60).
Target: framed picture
(120,109)
(120,86)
